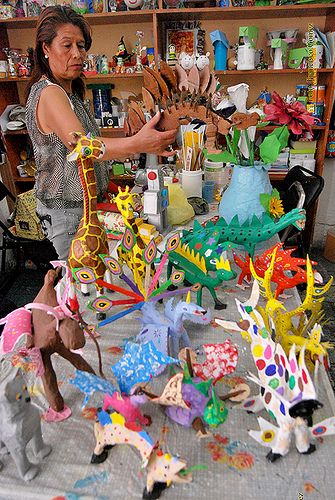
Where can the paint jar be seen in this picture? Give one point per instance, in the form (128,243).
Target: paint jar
(208,191)
(102,103)
(217,172)
(191,181)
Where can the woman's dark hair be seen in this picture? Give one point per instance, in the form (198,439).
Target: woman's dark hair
(47,26)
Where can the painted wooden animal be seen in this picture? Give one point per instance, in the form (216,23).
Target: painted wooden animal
(133,257)
(287,393)
(20,421)
(90,239)
(249,233)
(162,469)
(50,339)
(181,97)
(196,271)
(288,271)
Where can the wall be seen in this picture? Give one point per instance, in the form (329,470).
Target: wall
(325,218)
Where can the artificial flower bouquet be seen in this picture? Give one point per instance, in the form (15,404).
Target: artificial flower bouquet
(290,115)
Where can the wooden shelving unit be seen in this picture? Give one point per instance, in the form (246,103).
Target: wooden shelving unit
(20,32)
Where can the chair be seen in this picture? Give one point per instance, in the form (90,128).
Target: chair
(301,188)
(23,247)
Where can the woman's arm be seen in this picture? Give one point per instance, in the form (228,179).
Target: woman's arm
(54,114)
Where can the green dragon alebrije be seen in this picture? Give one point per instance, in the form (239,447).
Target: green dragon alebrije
(196,272)
(211,241)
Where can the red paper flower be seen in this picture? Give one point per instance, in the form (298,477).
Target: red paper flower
(294,115)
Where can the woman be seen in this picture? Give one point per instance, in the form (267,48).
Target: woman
(55,108)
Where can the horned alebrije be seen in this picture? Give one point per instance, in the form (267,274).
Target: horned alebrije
(90,239)
(284,262)
(248,234)
(286,331)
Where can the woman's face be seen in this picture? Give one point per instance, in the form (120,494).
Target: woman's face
(66,53)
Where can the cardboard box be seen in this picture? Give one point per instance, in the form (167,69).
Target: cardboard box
(329,251)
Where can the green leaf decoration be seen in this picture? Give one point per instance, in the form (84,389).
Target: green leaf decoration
(224,156)
(273,144)
(265,201)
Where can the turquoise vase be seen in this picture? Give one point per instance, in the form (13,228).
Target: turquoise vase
(242,195)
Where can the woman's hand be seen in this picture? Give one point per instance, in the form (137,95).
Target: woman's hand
(151,140)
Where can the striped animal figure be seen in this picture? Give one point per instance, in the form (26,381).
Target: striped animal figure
(90,239)
(162,469)
(132,254)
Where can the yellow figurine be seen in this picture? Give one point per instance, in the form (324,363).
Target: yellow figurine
(286,332)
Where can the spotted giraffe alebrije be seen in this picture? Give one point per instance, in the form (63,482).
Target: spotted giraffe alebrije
(133,257)
(90,239)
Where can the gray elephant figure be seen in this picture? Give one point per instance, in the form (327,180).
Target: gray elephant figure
(20,421)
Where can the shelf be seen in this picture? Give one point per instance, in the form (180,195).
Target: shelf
(110,76)
(24,179)
(121,17)
(114,75)
(287,71)
(211,13)
(239,13)
(112,132)
(16,132)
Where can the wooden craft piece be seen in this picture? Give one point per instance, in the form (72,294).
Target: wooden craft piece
(148,101)
(151,83)
(137,108)
(193,79)
(204,76)
(161,82)
(134,121)
(169,75)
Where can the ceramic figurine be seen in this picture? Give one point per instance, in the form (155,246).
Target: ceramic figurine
(20,421)
(172,57)
(133,4)
(138,50)
(186,61)
(90,239)
(168,329)
(202,61)
(162,469)
(122,51)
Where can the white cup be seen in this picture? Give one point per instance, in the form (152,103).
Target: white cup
(191,181)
